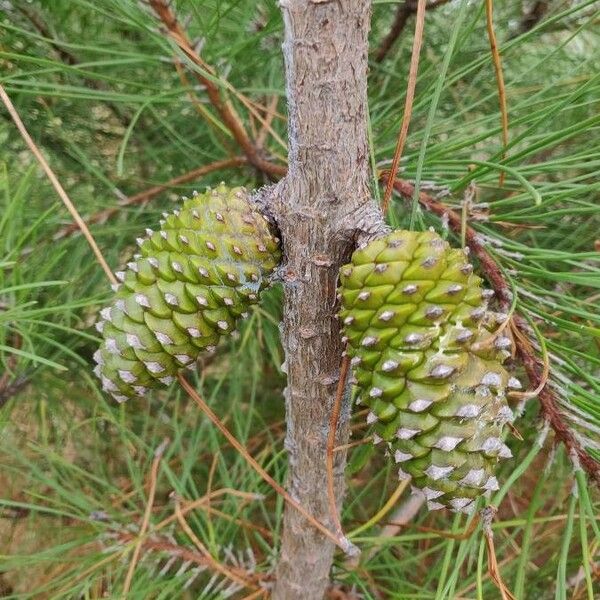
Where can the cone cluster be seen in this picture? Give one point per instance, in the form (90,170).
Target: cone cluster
(188,286)
(427,357)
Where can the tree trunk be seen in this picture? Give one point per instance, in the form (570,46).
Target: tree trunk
(323,208)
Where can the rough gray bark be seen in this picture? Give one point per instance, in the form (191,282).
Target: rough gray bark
(323,208)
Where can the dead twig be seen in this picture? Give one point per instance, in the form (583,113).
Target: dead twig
(56,184)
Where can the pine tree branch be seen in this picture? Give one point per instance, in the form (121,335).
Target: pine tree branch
(224,108)
(161,544)
(534,365)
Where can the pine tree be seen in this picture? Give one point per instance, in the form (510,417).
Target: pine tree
(443,307)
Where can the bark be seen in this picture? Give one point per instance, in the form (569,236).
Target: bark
(322,208)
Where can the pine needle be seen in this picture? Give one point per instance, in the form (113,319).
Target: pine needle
(489,12)
(408,104)
(12,111)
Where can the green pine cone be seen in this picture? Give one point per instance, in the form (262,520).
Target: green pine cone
(188,286)
(428,364)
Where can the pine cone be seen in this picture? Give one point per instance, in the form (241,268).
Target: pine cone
(428,364)
(188,286)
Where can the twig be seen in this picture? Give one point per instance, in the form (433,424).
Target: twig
(146,519)
(240,579)
(165,546)
(534,365)
(147,195)
(340,542)
(408,104)
(489,13)
(223,107)
(56,184)
(550,410)
(333,421)
(12,389)
(403,13)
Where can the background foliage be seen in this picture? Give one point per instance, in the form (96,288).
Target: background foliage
(96,85)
